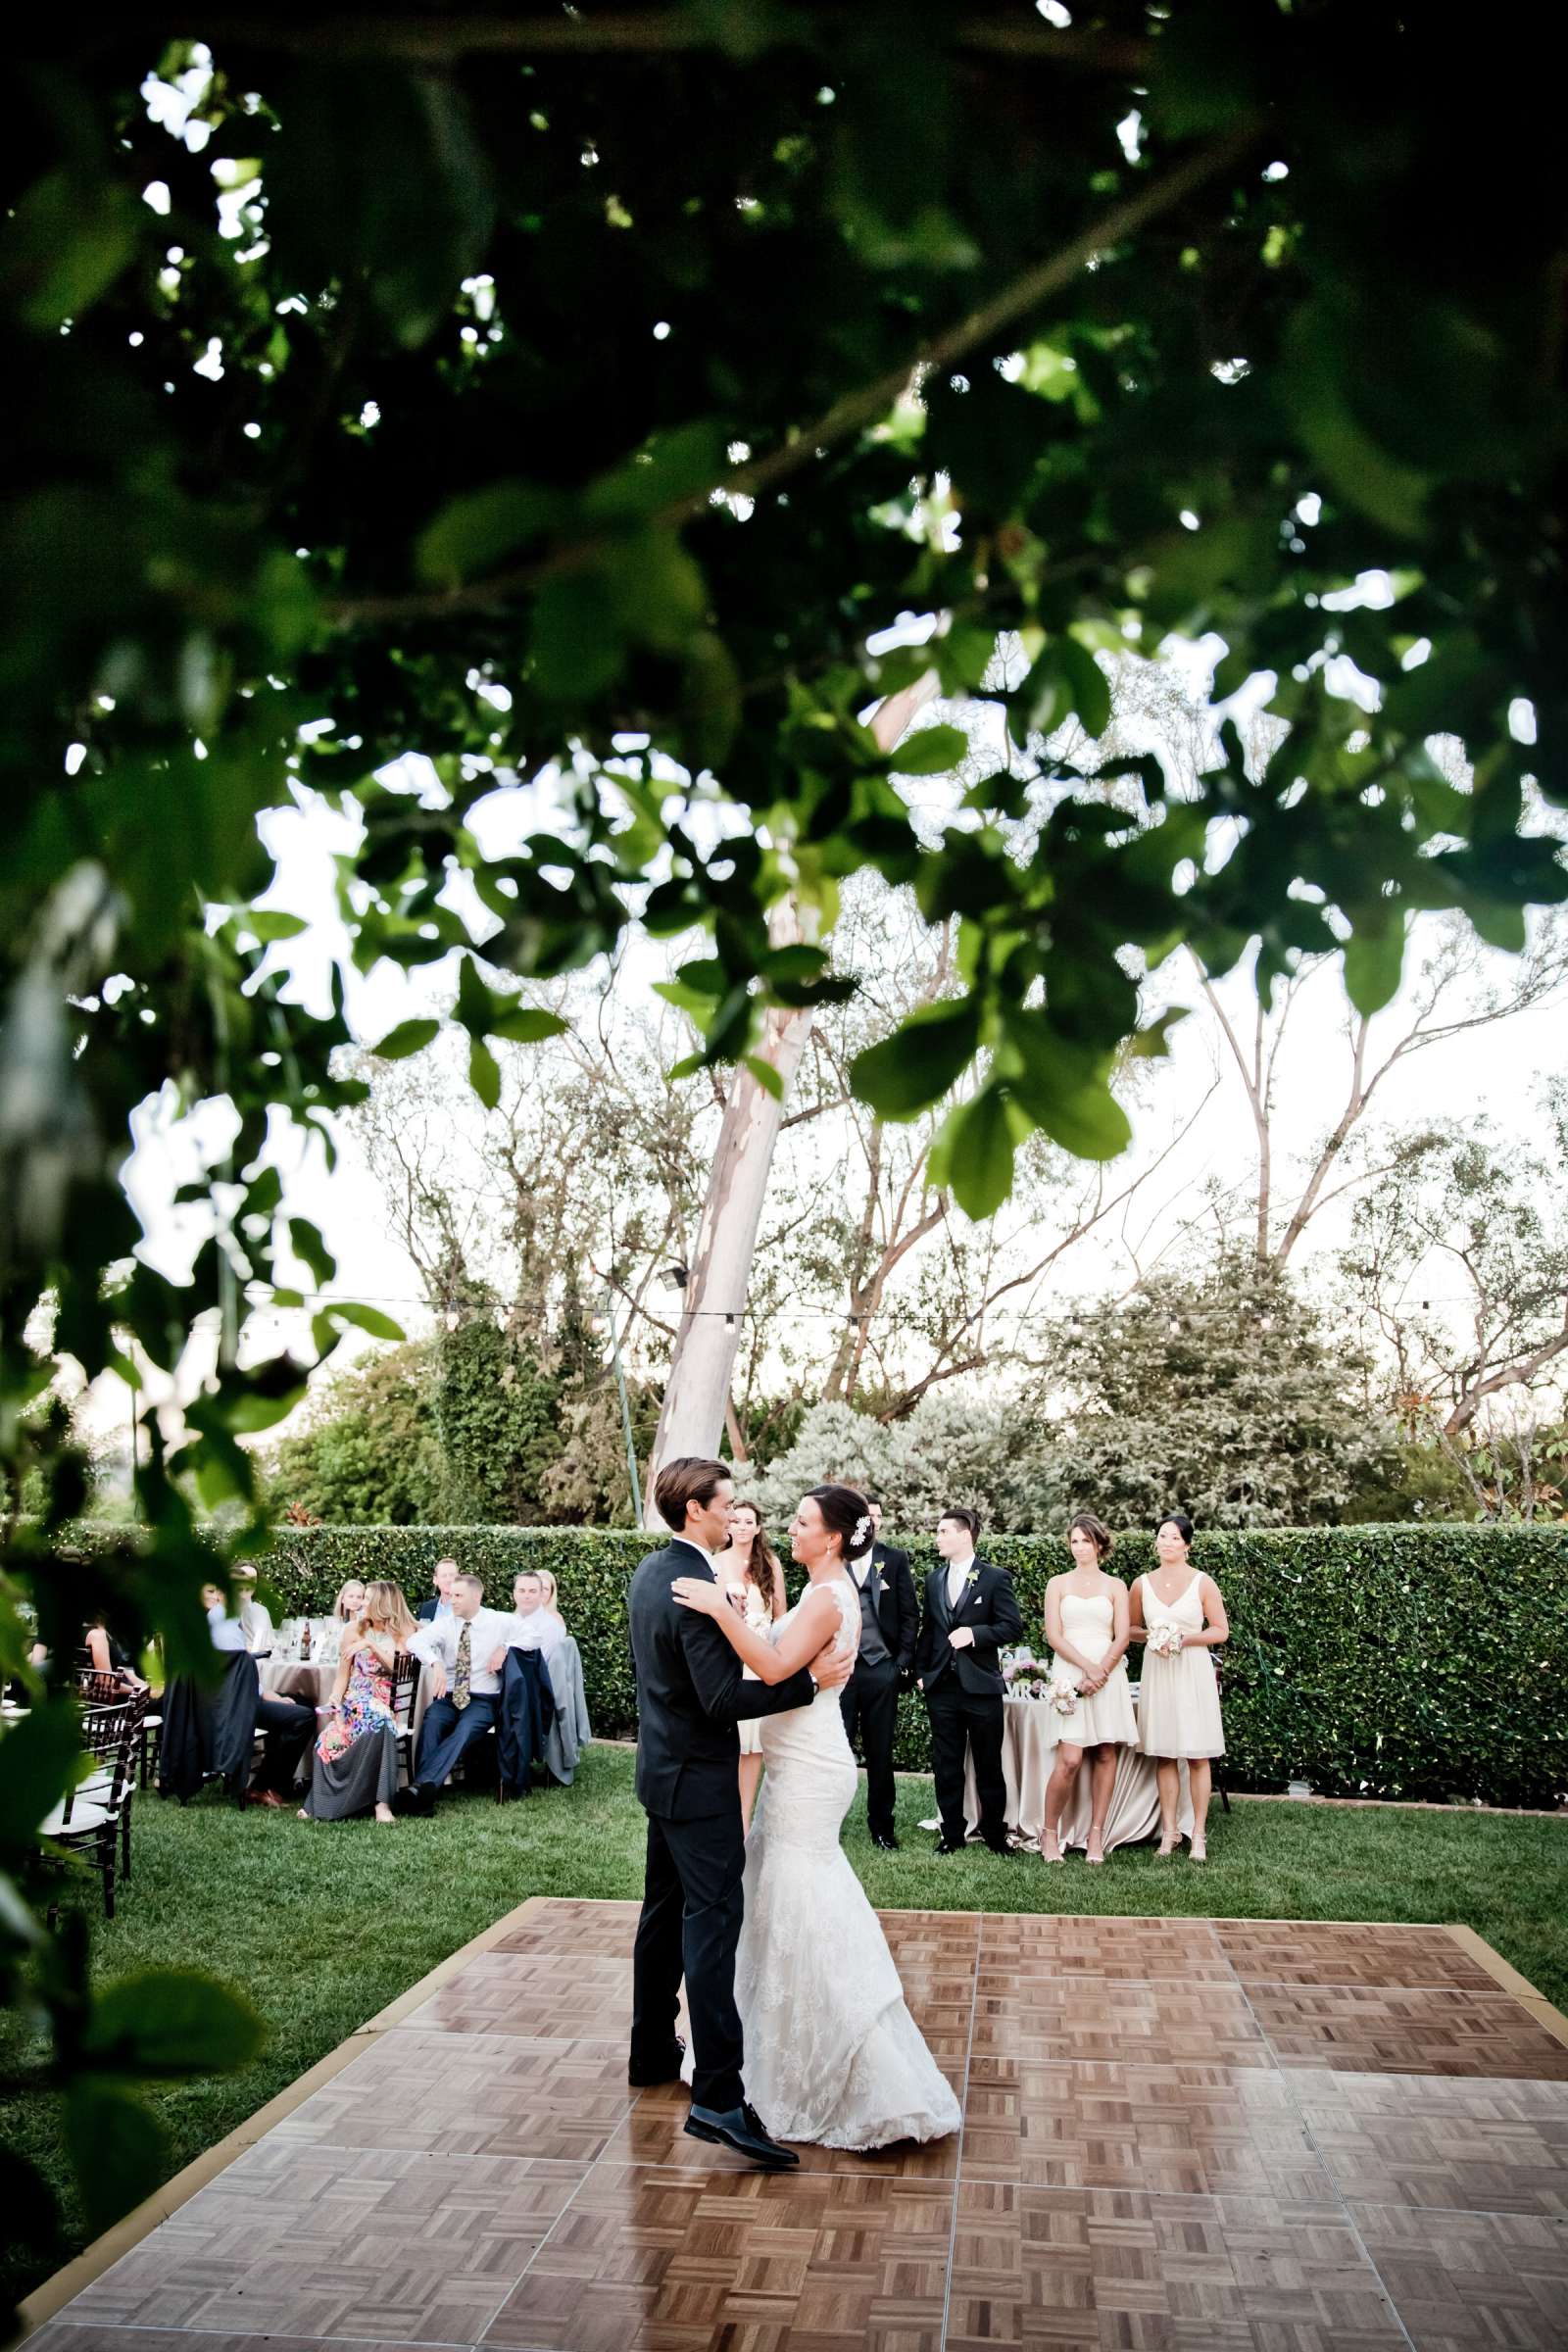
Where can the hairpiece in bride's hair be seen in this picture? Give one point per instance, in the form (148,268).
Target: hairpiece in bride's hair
(862,1527)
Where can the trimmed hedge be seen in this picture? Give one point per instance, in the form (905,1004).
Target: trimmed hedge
(1373,1662)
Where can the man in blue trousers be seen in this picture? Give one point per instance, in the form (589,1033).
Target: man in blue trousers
(466,1654)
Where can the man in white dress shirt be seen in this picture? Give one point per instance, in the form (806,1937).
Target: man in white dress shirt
(534,1627)
(466,1654)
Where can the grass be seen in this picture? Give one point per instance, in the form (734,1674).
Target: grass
(323,1925)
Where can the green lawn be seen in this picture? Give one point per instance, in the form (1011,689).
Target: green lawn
(324,1925)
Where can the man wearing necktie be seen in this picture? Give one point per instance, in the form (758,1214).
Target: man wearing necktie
(970,1611)
(466,1654)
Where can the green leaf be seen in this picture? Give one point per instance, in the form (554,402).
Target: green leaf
(409,1037)
(1064,1088)
(472,532)
(1152,1042)
(306,1241)
(914,1067)
(252,1414)
(119,2150)
(1373,960)
(484,1073)
(675,464)
(271,922)
(1090,687)
(69,239)
(972,1157)
(765,1075)
(528,1025)
(930,752)
(170,2021)
(32,2216)
(365,1318)
(577,643)
(42,1755)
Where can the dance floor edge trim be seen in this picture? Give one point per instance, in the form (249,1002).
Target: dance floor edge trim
(51,2297)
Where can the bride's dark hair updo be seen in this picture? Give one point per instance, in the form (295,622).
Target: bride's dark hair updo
(847,1513)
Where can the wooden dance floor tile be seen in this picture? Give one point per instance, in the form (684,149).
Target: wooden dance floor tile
(1095,2268)
(1179,2135)
(1317,1952)
(1383,2028)
(1464,2281)
(1456,2142)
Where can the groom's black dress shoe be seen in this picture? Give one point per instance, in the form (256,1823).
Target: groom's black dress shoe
(889,1845)
(644,2077)
(945,1845)
(742,2128)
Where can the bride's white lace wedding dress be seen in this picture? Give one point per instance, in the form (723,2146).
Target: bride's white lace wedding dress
(832,2054)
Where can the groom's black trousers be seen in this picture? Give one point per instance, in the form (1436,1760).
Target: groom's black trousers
(958,1715)
(691,1924)
(870,1703)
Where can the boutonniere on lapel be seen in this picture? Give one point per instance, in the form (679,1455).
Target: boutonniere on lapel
(971,1577)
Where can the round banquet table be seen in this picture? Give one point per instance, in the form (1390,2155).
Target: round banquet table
(308,1678)
(1028,1740)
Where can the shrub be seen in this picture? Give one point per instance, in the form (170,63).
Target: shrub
(1371,1661)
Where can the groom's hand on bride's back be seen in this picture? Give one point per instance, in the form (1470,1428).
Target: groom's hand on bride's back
(832,1665)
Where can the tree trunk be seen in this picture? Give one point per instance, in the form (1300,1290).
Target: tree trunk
(690,1418)
(708,1340)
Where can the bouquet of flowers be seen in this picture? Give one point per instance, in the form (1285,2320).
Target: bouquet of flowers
(1165,1638)
(1023,1674)
(1062,1692)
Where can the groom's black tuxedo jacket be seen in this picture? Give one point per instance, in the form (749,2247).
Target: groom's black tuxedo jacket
(690,1694)
(989,1606)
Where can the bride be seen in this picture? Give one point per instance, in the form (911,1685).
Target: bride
(832,2054)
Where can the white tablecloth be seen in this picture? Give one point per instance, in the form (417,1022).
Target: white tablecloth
(1029,1727)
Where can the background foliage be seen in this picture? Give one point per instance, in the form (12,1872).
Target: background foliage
(1372,1661)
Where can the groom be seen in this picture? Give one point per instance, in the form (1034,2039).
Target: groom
(690,1693)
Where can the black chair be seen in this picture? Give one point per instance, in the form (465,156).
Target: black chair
(87,1821)
(404,1686)
(108,1689)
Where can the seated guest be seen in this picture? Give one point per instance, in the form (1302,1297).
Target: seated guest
(439,1603)
(254,1616)
(106,1656)
(466,1654)
(356,1762)
(285,1724)
(349,1606)
(536,1621)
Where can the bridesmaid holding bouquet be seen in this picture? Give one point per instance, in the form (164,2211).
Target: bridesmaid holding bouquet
(1177,1613)
(1087,1624)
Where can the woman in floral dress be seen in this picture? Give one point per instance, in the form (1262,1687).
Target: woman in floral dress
(355,1764)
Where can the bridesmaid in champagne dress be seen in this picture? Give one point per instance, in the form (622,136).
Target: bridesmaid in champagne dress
(1178,1699)
(1087,1626)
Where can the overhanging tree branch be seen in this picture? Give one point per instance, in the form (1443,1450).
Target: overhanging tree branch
(851,415)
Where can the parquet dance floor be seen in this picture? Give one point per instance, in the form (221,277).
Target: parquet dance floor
(1188,2134)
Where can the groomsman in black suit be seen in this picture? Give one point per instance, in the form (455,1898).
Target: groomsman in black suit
(970,1611)
(890,1625)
